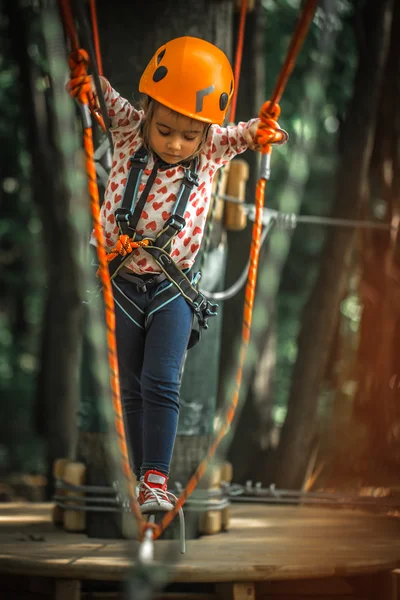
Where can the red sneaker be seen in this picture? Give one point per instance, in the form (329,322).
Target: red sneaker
(153,495)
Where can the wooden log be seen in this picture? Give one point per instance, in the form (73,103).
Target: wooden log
(93,451)
(226,478)
(210,521)
(219,210)
(395,577)
(59,466)
(226,472)
(234,216)
(74,520)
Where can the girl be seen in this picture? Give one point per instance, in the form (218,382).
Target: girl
(154,212)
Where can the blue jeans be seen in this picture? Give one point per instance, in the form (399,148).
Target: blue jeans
(150,366)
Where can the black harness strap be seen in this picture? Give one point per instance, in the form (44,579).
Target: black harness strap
(202,307)
(127,217)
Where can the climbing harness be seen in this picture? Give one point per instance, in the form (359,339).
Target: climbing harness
(127,217)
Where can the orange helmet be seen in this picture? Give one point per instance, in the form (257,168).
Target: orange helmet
(192,77)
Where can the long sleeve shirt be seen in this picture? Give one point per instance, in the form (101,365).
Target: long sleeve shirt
(222,144)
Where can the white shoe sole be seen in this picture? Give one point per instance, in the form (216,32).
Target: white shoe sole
(151,507)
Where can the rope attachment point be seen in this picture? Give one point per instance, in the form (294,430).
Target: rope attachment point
(268,131)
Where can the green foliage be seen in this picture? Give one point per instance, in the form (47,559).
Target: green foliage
(20,277)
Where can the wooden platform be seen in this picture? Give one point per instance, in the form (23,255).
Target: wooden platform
(270,552)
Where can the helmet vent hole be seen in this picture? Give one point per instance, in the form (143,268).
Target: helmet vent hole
(160,56)
(159,74)
(223,101)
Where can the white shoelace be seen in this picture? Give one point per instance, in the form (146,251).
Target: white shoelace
(157,494)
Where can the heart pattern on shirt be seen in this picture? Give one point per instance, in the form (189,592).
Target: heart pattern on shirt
(221,146)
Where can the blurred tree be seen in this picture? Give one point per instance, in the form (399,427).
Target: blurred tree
(300,429)
(373,416)
(60,198)
(20,280)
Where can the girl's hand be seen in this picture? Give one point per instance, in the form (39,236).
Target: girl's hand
(249,135)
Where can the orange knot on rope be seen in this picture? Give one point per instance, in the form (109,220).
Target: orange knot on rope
(268,131)
(124,246)
(80,86)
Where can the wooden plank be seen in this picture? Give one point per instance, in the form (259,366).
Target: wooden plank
(333,586)
(264,543)
(67,589)
(373,587)
(396,584)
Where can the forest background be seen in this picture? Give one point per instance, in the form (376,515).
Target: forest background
(319,403)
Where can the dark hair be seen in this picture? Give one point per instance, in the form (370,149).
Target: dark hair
(148,105)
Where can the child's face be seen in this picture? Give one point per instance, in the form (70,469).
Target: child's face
(174,137)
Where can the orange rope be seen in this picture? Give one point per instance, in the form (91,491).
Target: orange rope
(80,56)
(297,40)
(96,37)
(238,60)
(124,246)
(78,64)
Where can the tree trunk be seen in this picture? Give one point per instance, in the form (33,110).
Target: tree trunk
(321,312)
(131,32)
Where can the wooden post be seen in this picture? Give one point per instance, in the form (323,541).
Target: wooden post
(236,591)
(75,474)
(59,467)
(235,217)
(395,577)
(67,589)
